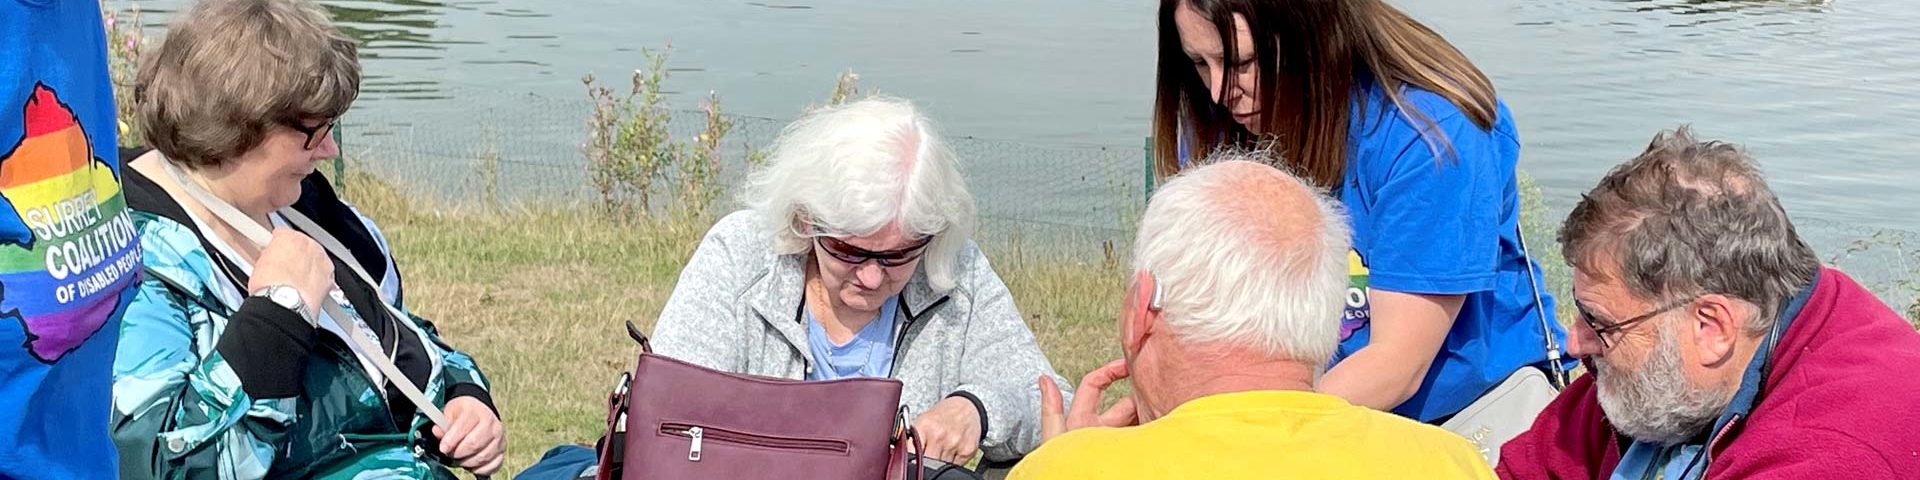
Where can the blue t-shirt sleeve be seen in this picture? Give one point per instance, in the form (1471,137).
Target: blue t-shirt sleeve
(1435,215)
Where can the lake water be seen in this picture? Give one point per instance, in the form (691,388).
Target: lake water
(1825,94)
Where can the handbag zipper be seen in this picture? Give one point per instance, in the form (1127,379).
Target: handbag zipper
(698,435)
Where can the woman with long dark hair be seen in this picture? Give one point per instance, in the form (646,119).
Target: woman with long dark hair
(1361,99)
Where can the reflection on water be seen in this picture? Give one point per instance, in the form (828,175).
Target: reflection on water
(1826,94)
(387,30)
(1823,94)
(1697,7)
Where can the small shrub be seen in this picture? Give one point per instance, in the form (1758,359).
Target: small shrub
(125,44)
(628,146)
(700,169)
(631,153)
(844,89)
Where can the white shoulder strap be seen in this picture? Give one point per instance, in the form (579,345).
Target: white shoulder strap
(259,235)
(333,246)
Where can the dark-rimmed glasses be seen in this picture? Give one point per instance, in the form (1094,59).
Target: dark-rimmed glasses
(315,134)
(852,255)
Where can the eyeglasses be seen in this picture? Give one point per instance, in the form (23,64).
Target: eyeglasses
(1601,330)
(852,255)
(315,134)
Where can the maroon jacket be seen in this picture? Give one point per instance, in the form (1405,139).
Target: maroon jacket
(1842,401)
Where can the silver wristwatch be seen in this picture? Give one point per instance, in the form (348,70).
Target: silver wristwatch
(286,296)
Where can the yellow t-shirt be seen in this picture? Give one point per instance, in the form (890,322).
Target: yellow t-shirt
(1264,435)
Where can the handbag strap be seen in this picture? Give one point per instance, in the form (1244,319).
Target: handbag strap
(258,235)
(612,448)
(612,445)
(1558,374)
(333,246)
(905,458)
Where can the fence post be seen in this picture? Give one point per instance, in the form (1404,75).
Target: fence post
(339,160)
(1147,164)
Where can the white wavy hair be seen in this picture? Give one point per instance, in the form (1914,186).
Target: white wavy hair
(853,169)
(1235,270)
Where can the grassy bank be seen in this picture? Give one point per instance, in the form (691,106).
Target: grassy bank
(539,295)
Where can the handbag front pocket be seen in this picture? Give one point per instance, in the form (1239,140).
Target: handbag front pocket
(698,436)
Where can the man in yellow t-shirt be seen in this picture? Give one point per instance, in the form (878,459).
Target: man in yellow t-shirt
(1240,275)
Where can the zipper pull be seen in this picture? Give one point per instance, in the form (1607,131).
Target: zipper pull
(693,454)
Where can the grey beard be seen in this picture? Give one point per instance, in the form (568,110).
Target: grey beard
(1657,404)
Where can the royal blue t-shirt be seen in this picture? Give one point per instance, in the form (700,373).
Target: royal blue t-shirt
(1428,224)
(67,245)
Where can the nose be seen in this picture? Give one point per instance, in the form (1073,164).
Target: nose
(1217,84)
(1582,342)
(870,274)
(327,148)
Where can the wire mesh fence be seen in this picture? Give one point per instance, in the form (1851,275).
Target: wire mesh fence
(1076,201)
(522,149)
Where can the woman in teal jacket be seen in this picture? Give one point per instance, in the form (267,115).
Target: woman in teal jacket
(231,365)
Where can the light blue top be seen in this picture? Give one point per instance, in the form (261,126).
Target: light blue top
(868,354)
(1645,461)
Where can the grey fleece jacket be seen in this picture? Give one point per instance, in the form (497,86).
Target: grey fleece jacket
(737,308)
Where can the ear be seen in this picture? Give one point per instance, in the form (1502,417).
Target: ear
(1136,323)
(1719,322)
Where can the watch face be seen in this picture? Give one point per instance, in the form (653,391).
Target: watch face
(285,296)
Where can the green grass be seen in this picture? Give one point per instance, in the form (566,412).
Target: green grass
(539,295)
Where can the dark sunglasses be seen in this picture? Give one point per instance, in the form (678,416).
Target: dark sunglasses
(315,134)
(1602,329)
(852,255)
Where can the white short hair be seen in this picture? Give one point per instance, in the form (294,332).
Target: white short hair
(855,168)
(1224,278)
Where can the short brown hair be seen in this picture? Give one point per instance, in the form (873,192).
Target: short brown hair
(1687,218)
(229,70)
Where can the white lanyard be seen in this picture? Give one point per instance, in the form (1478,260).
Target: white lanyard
(258,235)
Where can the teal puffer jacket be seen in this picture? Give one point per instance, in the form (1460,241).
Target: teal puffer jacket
(200,392)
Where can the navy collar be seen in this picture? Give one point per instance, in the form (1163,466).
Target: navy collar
(1753,381)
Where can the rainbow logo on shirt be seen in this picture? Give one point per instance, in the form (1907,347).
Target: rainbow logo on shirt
(67,243)
(1358,312)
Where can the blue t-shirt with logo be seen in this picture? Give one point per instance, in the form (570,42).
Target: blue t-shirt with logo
(67,245)
(1429,220)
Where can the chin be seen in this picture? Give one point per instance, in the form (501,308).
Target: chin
(287,195)
(865,300)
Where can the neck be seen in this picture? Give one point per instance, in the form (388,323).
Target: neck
(1203,372)
(224,185)
(839,320)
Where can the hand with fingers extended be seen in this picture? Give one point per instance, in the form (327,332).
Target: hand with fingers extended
(475,439)
(1056,418)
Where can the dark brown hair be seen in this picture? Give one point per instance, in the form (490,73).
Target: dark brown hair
(1312,58)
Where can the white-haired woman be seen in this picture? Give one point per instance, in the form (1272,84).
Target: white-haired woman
(854,260)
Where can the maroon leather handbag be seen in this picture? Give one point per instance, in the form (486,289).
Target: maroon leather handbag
(670,420)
